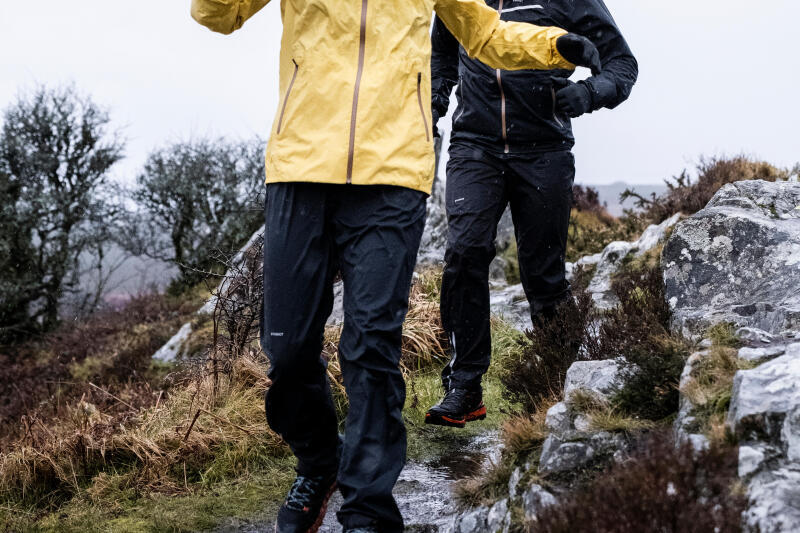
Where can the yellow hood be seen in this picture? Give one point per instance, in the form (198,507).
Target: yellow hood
(355,81)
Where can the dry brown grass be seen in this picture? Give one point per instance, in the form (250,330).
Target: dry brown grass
(523,433)
(166,445)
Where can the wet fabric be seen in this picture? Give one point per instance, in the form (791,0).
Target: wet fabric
(518,112)
(480,184)
(371,235)
(355,81)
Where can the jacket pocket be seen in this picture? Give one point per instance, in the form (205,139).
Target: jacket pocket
(287,95)
(422,107)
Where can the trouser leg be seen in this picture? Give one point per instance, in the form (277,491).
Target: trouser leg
(378,229)
(299,267)
(540,192)
(476,198)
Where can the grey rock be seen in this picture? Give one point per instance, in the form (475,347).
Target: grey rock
(790,435)
(434,236)
(510,304)
(751,459)
(499,518)
(337,314)
(513,482)
(582,423)
(497,270)
(560,456)
(763,396)
(754,335)
(558,420)
(761,354)
(737,260)
(774,502)
(174,347)
(613,255)
(473,521)
(535,499)
(597,377)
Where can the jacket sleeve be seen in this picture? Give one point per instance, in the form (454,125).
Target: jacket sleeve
(501,44)
(225,16)
(620,69)
(444,66)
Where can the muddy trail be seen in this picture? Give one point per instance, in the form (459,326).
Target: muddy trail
(423,492)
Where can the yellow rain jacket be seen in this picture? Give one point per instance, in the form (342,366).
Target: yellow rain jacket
(355,81)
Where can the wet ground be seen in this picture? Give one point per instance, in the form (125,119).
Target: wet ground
(423,491)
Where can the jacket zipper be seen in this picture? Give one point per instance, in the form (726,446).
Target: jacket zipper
(421,107)
(555,116)
(502,96)
(361,50)
(286,97)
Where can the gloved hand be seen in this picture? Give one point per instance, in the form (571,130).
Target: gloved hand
(573,99)
(580,51)
(435,119)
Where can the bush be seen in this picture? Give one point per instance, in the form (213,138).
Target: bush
(638,330)
(688,197)
(539,367)
(662,487)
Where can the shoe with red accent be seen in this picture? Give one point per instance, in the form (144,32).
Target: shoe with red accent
(306,504)
(458,407)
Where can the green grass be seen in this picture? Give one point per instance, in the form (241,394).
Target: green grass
(119,509)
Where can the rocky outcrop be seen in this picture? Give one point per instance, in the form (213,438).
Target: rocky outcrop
(765,416)
(738,260)
(608,262)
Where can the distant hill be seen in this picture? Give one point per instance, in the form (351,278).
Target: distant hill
(609,194)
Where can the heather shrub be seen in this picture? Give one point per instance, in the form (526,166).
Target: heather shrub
(688,196)
(638,330)
(538,368)
(661,487)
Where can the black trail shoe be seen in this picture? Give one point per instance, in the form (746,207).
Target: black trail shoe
(458,407)
(306,504)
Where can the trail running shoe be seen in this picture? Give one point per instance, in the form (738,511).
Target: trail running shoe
(306,504)
(458,407)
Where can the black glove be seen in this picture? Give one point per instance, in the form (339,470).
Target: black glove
(580,51)
(573,99)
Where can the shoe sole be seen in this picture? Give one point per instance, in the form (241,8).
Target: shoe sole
(442,420)
(322,512)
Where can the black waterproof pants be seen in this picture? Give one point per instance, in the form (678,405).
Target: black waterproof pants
(480,185)
(371,234)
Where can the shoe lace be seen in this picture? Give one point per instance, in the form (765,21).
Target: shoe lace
(303,492)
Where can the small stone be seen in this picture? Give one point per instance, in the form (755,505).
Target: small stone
(583,423)
(535,499)
(566,457)
(706,343)
(754,335)
(472,521)
(761,354)
(499,517)
(513,482)
(558,420)
(597,377)
(750,459)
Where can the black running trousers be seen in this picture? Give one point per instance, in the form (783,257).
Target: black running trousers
(371,235)
(480,184)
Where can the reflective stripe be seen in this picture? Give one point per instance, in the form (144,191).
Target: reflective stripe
(520,8)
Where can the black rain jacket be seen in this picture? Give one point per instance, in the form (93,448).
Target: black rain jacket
(515,111)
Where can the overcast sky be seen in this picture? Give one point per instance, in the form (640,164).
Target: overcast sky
(716,77)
